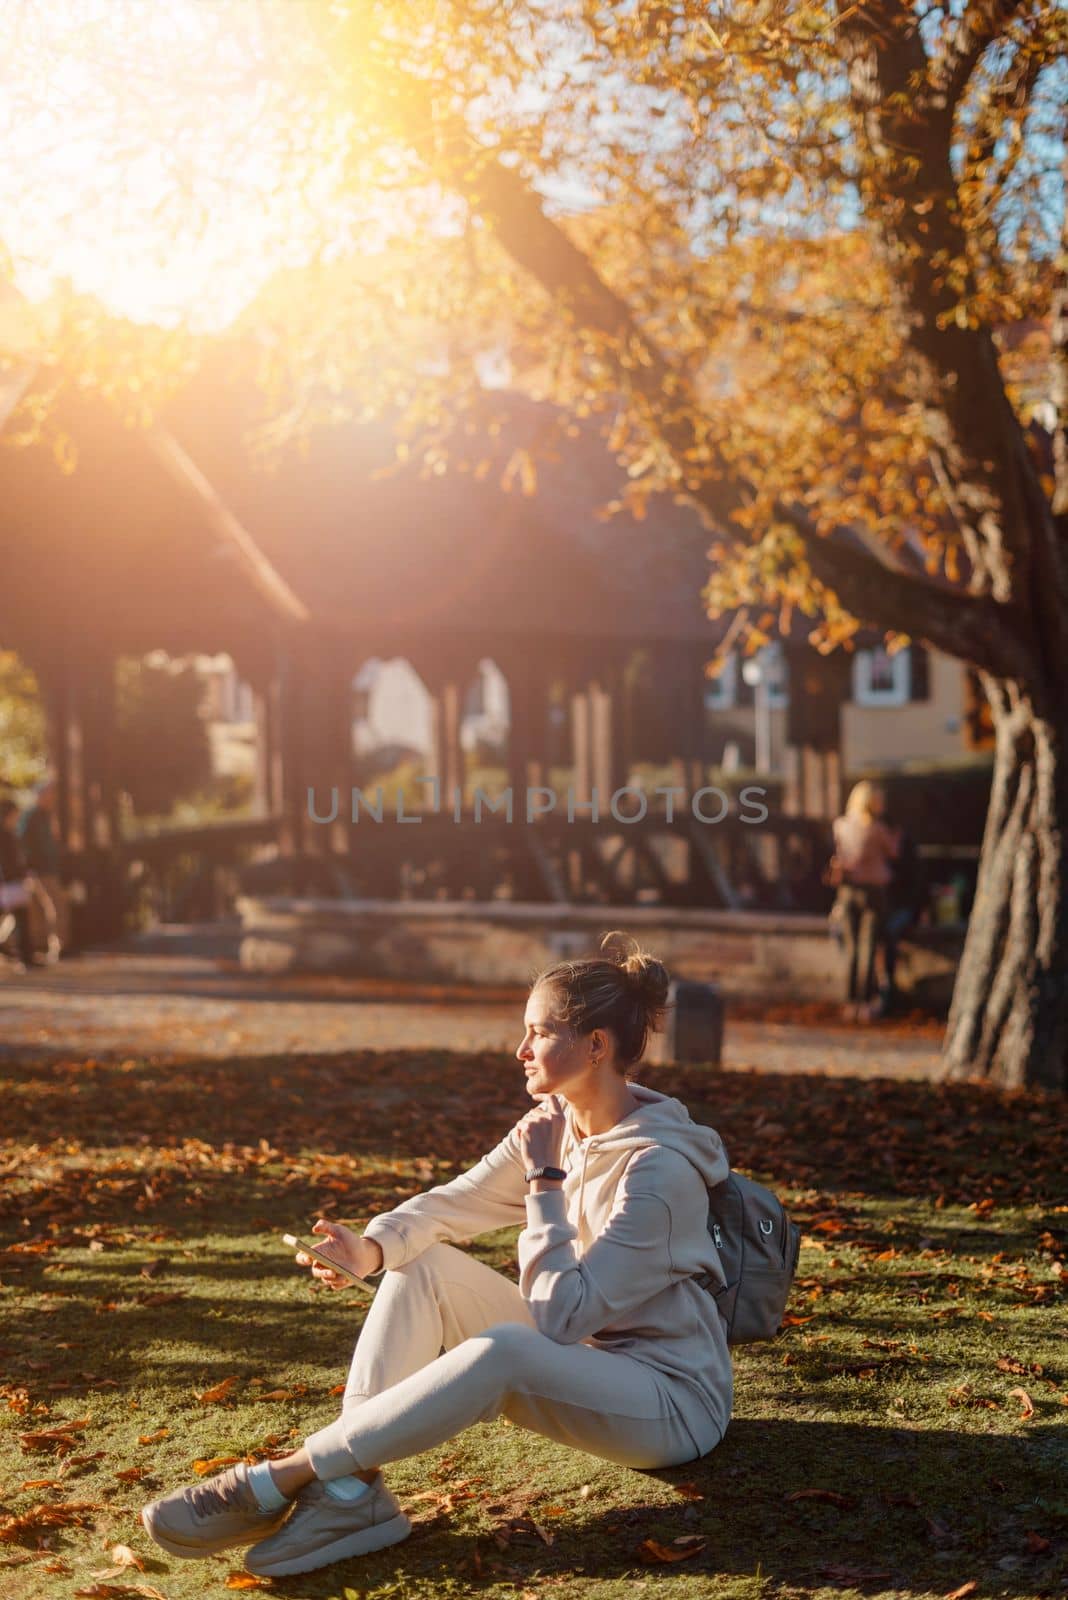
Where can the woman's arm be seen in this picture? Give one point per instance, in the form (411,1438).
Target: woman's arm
(489,1195)
(628,1263)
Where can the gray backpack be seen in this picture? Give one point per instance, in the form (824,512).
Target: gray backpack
(758,1247)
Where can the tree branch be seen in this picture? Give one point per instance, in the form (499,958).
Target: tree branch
(974,629)
(983,22)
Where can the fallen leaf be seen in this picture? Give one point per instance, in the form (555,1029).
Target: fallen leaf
(130,1474)
(14,1530)
(153,1438)
(651,1552)
(829,1497)
(1035,1542)
(218,1392)
(123,1556)
(245,1580)
(57,1439)
(964,1590)
(284,1394)
(689,1491)
(1026,1403)
(214,1464)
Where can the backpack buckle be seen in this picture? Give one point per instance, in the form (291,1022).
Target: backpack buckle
(717,1237)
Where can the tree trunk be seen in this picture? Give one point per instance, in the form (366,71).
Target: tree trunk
(1009,1019)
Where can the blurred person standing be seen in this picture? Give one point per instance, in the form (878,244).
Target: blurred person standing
(15,886)
(864,849)
(39,833)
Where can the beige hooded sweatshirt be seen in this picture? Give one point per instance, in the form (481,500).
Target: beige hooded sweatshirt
(609,1257)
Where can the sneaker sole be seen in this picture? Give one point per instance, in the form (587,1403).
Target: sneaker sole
(354,1544)
(195,1552)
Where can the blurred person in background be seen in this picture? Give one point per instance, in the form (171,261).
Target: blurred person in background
(861,870)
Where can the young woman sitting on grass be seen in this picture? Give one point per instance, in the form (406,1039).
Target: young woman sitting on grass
(607,1343)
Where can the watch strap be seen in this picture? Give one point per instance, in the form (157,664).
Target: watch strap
(544,1172)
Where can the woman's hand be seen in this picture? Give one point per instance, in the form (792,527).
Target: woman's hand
(361,1256)
(541,1133)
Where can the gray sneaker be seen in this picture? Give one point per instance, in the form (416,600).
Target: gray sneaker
(209,1516)
(322,1529)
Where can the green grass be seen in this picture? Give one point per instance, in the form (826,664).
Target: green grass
(140,1212)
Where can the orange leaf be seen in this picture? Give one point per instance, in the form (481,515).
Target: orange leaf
(829,1497)
(652,1552)
(219,1392)
(245,1580)
(153,1438)
(202,1468)
(1027,1404)
(123,1556)
(792,1320)
(130,1474)
(964,1590)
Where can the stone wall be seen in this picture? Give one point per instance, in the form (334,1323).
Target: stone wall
(751,955)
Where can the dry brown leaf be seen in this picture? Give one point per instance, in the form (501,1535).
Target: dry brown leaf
(217,1392)
(39,1518)
(964,1590)
(829,1497)
(123,1556)
(154,1438)
(214,1464)
(130,1474)
(1027,1404)
(246,1580)
(284,1394)
(651,1552)
(57,1439)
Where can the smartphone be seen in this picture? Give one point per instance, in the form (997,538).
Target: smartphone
(325,1261)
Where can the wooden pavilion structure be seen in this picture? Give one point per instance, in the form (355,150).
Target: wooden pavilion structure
(172,539)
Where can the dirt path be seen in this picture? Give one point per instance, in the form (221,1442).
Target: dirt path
(183,991)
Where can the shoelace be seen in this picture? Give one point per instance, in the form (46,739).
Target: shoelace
(223,1495)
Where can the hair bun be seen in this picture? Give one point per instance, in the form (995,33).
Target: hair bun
(646,975)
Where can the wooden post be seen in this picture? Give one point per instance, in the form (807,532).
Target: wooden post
(452,773)
(580,746)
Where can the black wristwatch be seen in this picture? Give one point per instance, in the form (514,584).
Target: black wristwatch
(544,1172)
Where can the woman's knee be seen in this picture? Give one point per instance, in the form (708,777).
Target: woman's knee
(429,1262)
(506,1344)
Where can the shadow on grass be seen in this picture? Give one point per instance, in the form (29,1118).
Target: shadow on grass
(876,1136)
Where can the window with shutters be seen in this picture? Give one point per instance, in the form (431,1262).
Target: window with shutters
(881,679)
(721,692)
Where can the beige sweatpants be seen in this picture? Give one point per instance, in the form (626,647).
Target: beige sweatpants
(404,1395)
